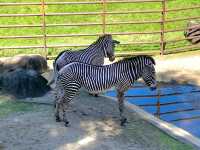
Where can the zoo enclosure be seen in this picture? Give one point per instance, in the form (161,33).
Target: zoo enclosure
(103,24)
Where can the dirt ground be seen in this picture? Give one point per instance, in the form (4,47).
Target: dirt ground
(94,122)
(94,125)
(182,68)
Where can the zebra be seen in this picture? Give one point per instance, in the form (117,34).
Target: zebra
(121,75)
(94,54)
(192,32)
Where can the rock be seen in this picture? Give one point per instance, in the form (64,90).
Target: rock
(35,62)
(22,83)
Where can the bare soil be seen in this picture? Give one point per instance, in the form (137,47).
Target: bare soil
(94,125)
(185,69)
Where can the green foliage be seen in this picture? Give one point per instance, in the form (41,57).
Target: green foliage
(31,20)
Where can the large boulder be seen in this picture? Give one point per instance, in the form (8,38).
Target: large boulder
(22,83)
(35,62)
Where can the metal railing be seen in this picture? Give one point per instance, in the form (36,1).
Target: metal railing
(103,24)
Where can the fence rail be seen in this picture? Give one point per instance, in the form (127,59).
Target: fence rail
(79,3)
(103,24)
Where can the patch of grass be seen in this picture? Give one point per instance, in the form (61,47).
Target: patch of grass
(144,132)
(172,143)
(93,29)
(8,106)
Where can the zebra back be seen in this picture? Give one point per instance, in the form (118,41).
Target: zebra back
(136,58)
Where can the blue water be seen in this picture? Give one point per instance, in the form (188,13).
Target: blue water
(178,109)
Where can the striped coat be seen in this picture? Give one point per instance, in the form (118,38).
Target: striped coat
(98,78)
(94,54)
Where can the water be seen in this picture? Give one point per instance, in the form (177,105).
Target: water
(179,104)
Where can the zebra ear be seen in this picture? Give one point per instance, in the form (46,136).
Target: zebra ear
(153,60)
(150,64)
(116,42)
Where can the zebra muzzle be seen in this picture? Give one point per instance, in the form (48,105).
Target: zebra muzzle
(153,88)
(116,42)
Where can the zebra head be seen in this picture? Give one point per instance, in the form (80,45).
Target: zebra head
(109,46)
(149,76)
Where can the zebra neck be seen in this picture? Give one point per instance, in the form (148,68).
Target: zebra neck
(96,49)
(135,71)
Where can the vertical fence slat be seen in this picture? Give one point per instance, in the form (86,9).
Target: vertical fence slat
(44,27)
(162,36)
(104,17)
(158,102)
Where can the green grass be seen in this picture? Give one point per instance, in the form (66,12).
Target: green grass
(92,29)
(173,144)
(138,129)
(8,106)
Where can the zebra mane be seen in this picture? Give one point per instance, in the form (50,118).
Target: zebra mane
(100,38)
(61,53)
(137,57)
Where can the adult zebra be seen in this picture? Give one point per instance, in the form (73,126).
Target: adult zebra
(94,54)
(98,78)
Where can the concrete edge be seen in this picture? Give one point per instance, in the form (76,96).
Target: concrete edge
(170,129)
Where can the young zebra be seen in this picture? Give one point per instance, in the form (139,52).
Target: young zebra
(98,78)
(94,54)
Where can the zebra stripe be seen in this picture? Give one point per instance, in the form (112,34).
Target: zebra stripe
(98,78)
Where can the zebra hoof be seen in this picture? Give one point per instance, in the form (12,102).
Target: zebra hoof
(58,119)
(67,124)
(96,95)
(123,121)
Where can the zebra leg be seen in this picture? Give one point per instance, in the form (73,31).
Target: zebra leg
(71,90)
(64,107)
(57,104)
(57,112)
(120,96)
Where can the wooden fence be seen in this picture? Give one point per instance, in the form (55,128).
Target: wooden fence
(163,41)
